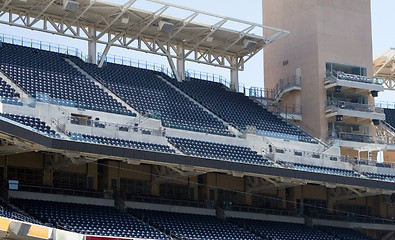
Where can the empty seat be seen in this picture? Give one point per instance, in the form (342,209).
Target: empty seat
(48,77)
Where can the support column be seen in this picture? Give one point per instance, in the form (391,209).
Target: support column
(92,53)
(234,75)
(181,62)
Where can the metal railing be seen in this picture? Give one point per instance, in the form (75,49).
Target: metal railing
(353,106)
(159,200)
(260,92)
(63,191)
(48,46)
(294,81)
(353,77)
(385,104)
(354,137)
(133,128)
(285,108)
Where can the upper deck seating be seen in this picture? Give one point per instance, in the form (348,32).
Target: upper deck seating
(152,96)
(239,110)
(39,71)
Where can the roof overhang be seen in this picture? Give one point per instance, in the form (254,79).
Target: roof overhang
(384,68)
(216,41)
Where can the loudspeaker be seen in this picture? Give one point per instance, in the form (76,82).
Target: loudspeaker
(249,44)
(70,5)
(376,122)
(339,118)
(165,26)
(375,93)
(338,88)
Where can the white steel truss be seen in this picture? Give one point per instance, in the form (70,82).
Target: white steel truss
(384,68)
(97,21)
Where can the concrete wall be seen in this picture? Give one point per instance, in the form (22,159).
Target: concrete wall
(321,30)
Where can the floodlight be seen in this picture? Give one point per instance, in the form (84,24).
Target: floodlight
(250,44)
(125,18)
(70,5)
(165,26)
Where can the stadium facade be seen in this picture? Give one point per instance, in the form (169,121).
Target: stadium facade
(99,147)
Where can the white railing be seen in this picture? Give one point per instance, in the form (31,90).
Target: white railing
(48,46)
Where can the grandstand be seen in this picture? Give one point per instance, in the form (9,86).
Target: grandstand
(93,149)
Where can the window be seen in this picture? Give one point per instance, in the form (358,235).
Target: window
(25,175)
(175,191)
(135,187)
(331,68)
(70,180)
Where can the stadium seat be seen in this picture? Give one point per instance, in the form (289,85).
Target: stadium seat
(121,142)
(152,97)
(32,122)
(390,116)
(239,110)
(49,78)
(218,151)
(282,230)
(320,169)
(90,219)
(193,226)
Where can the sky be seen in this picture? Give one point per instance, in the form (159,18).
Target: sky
(251,10)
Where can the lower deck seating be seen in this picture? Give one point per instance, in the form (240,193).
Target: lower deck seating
(8,211)
(192,226)
(90,219)
(283,231)
(33,122)
(345,233)
(218,151)
(121,142)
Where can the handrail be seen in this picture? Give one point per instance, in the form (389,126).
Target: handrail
(42,45)
(119,127)
(285,83)
(385,104)
(353,106)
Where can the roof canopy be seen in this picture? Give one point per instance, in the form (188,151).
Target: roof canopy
(134,27)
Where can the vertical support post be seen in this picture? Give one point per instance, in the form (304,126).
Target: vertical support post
(181,62)
(92,53)
(234,74)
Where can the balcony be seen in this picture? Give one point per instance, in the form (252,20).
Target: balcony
(356,110)
(356,137)
(350,82)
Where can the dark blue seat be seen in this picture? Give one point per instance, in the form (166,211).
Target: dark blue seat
(218,151)
(193,226)
(90,219)
(153,97)
(239,110)
(33,122)
(48,77)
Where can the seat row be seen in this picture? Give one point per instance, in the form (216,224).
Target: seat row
(38,71)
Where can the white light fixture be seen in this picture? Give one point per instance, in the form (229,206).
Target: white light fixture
(165,26)
(210,39)
(125,18)
(70,5)
(23,0)
(249,44)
